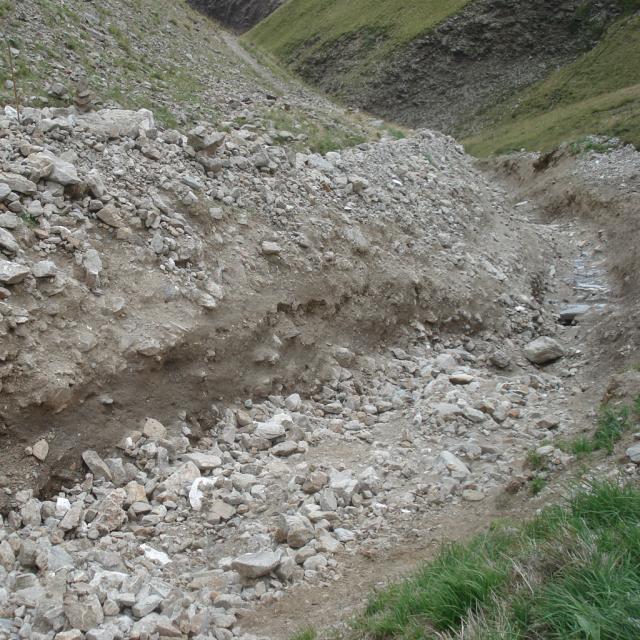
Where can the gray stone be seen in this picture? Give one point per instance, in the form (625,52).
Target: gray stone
(116,123)
(44,269)
(9,220)
(293,402)
(97,465)
(85,614)
(8,243)
(152,428)
(256,565)
(204,461)
(499,359)
(570,313)
(40,450)
(285,449)
(92,265)
(12,273)
(18,183)
(272,429)
(111,515)
(72,517)
(543,350)
(110,216)
(633,453)
(146,605)
(271,248)
(61,171)
(453,464)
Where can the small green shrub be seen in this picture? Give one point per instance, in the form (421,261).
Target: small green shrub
(537,485)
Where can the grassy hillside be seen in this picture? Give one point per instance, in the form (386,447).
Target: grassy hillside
(314,24)
(597,94)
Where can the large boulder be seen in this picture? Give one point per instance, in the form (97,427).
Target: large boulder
(116,123)
(543,350)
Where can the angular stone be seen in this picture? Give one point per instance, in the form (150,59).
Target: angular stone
(274,428)
(285,449)
(344,535)
(85,614)
(116,123)
(271,248)
(160,557)
(44,269)
(219,510)
(40,450)
(185,474)
(9,220)
(92,265)
(153,624)
(205,142)
(152,428)
(7,556)
(111,515)
(72,517)
(633,453)
(8,243)
(97,465)
(256,565)
(145,606)
(204,461)
(18,183)
(543,350)
(12,273)
(62,172)
(456,467)
(110,216)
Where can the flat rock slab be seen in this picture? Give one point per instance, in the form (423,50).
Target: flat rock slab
(256,565)
(570,313)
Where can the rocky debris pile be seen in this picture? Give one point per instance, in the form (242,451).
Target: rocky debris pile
(171,59)
(179,537)
(124,244)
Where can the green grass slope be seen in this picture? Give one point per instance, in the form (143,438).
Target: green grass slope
(598,94)
(299,27)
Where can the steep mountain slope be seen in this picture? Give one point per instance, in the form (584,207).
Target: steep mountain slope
(435,64)
(239,15)
(597,94)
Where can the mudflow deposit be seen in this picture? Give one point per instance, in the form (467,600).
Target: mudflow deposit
(242,382)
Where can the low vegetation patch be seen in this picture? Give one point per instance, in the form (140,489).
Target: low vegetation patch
(613,423)
(571,572)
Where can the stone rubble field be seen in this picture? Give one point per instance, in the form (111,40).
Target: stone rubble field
(123,242)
